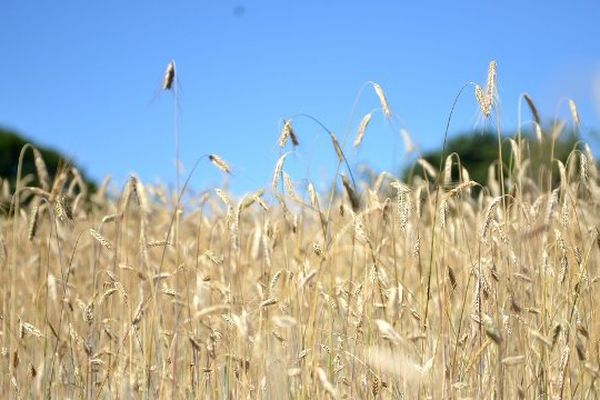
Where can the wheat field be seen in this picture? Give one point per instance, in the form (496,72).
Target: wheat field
(441,288)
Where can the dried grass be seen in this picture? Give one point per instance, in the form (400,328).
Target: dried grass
(169,77)
(279,295)
(219,163)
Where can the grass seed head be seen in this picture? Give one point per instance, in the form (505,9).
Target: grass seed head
(101,239)
(219,163)
(574,112)
(361,129)
(33,222)
(534,111)
(481,98)
(169,77)
(382,100)
(288,133)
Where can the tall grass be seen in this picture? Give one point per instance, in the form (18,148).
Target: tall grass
(388,291)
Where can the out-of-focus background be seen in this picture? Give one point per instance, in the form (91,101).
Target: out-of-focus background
(85,78)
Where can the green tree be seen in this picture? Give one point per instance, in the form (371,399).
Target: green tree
(477,151)
(11,144)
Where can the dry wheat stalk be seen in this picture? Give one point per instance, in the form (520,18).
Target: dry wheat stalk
(409,146)
(352,195)
(359,229)
(159,243)
(337,148)
(489,215)
(583,168)
(260,201)
(538,132)
(574,112)
(312,194)
(564,360)
(466,185)
(219,163)
(275,280)
(361,129)
(513,360)
(126,195)
(288,133)
(533,109)
(138,313)
(443,213)
(313,285)
(486,98)
(33,222)
(101,239)
(42,171)
(277,171)
(289,186)
(448,170)
(491,330)
(62,207)
(388,332)
(483,101)
(491,83)
(427,167)
(169,77)
(382,100)
(110,218)
(327,385)
(516,152)
(26,328)
(269,302)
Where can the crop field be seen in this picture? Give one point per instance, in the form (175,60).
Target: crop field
(437,287)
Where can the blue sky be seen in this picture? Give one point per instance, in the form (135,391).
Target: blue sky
(83,77)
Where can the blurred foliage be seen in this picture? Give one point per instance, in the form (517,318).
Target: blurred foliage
(11,144)
(478,151)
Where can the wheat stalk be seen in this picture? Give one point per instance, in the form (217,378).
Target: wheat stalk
(33,222)
(361,129)
(533,108)
(101,239)
(277,171)
(382,100)
(219,163)
(288,133)
(574,112)
(486,98)
(169,77)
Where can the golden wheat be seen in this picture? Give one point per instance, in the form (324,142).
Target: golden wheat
(382,100)
(220,163)
(169,77)
(284,294)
